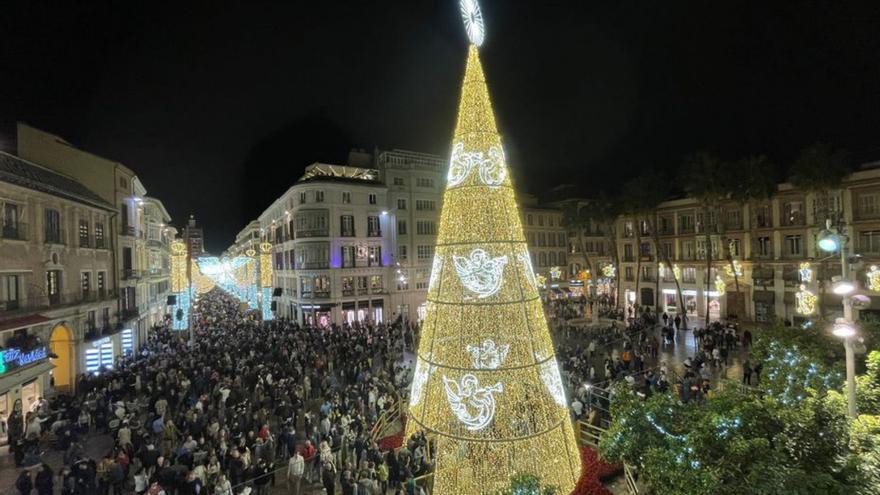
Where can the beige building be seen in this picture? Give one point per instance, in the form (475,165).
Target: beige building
(120,186)
(547,239)
(57,287)
(247,238)
(769,241)
(157,275)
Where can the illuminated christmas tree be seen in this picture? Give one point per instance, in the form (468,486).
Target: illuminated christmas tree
(487,385)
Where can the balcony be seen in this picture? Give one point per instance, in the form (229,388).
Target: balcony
(14,231)
(129,313)
(49,301)
(156,243)
(312,233)
(53,237)
(128,230)
(129,274)
(347,292)
(374,233)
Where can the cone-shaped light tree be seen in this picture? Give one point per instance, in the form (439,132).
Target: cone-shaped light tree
(487,385)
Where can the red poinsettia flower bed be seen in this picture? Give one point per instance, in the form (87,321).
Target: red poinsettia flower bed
(594,469)
(390,443)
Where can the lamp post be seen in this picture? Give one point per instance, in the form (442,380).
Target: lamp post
(830,240)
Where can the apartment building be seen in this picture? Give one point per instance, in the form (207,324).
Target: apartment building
(120,186)
(57,290)
(159,235)
(354,243)
(770,242)
(547,239)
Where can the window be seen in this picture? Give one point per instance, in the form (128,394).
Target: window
(10,222)
(540,220)
(99,235)
(347,286)
(793,245)
(83,233)
(688,250)
(348,256)
(869,205)
(424,205)
(302,198)
(319,196)
(52,226)
(401,204)
(425,252)
(542,239)
(869,241)
(375,256)
(561,239)
(346,225)
(627,252)
(126,259)
(665,225)
(529,220)
(733,246)
(550,221)
(685,223)
(401,252)
(53,286)
(551,240)
(102,284)
(346,197)
(666,249)
(424,182)
(86,282)
(628,230)
(689,274)
(401,227)
(542,259)
(628,274)
(10,292)
(426,227)
(764,246)
(644,249)
(372,199)
(762,216)
(733,218)
(647,274)
(373,229)
(105,316)
(793,213)
(398,181)
(376,283)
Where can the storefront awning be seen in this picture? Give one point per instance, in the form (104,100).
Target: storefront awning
(23,322)
(15,378)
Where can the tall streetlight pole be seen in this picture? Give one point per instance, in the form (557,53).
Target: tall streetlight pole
(830,240)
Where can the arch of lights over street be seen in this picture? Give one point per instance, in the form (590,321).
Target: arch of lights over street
(248,278)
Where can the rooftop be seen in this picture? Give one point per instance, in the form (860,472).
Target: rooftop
(15,170)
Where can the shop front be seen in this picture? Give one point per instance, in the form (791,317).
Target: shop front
(369,311)
(714,305)
(670,302)
(24,378)
(691,306)
(765,305)
(320,315)
(99,355)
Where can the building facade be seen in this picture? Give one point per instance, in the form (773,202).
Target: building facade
(194,237)
(547,239)
(157,276)
(770,246)
(120,186)
(58,292)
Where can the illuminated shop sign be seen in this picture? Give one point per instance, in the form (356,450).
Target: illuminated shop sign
(13,358)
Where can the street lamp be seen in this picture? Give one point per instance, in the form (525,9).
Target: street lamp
(830,240)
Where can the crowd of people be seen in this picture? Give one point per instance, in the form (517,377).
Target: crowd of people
(242,406)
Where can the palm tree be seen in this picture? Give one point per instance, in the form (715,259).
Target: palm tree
(643,195)
(575,218)
(605,210)
(756,181)
(704,177)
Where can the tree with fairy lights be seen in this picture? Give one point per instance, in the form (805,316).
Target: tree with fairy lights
(487,386)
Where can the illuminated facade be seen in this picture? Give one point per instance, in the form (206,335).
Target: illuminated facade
(491,396)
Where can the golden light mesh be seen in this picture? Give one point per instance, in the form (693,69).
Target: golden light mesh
(530,430)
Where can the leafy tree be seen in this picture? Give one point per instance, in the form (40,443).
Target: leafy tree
(820,169)
(605,210)
(868,386)
(575,218)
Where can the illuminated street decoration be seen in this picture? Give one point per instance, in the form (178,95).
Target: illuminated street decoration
(480,273)
(489,355)
(491,168)
(806,301)
(805,273)
(526,260)
(676,272)
(504,413)
(609,271)
(541,281)
(436,266)
(266,264)
(873,278)
(720,286)
(555,273)
(735,270)
(471,404)
(473,21)
(179,282)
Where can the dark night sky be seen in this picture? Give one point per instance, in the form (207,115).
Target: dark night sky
(219,106)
